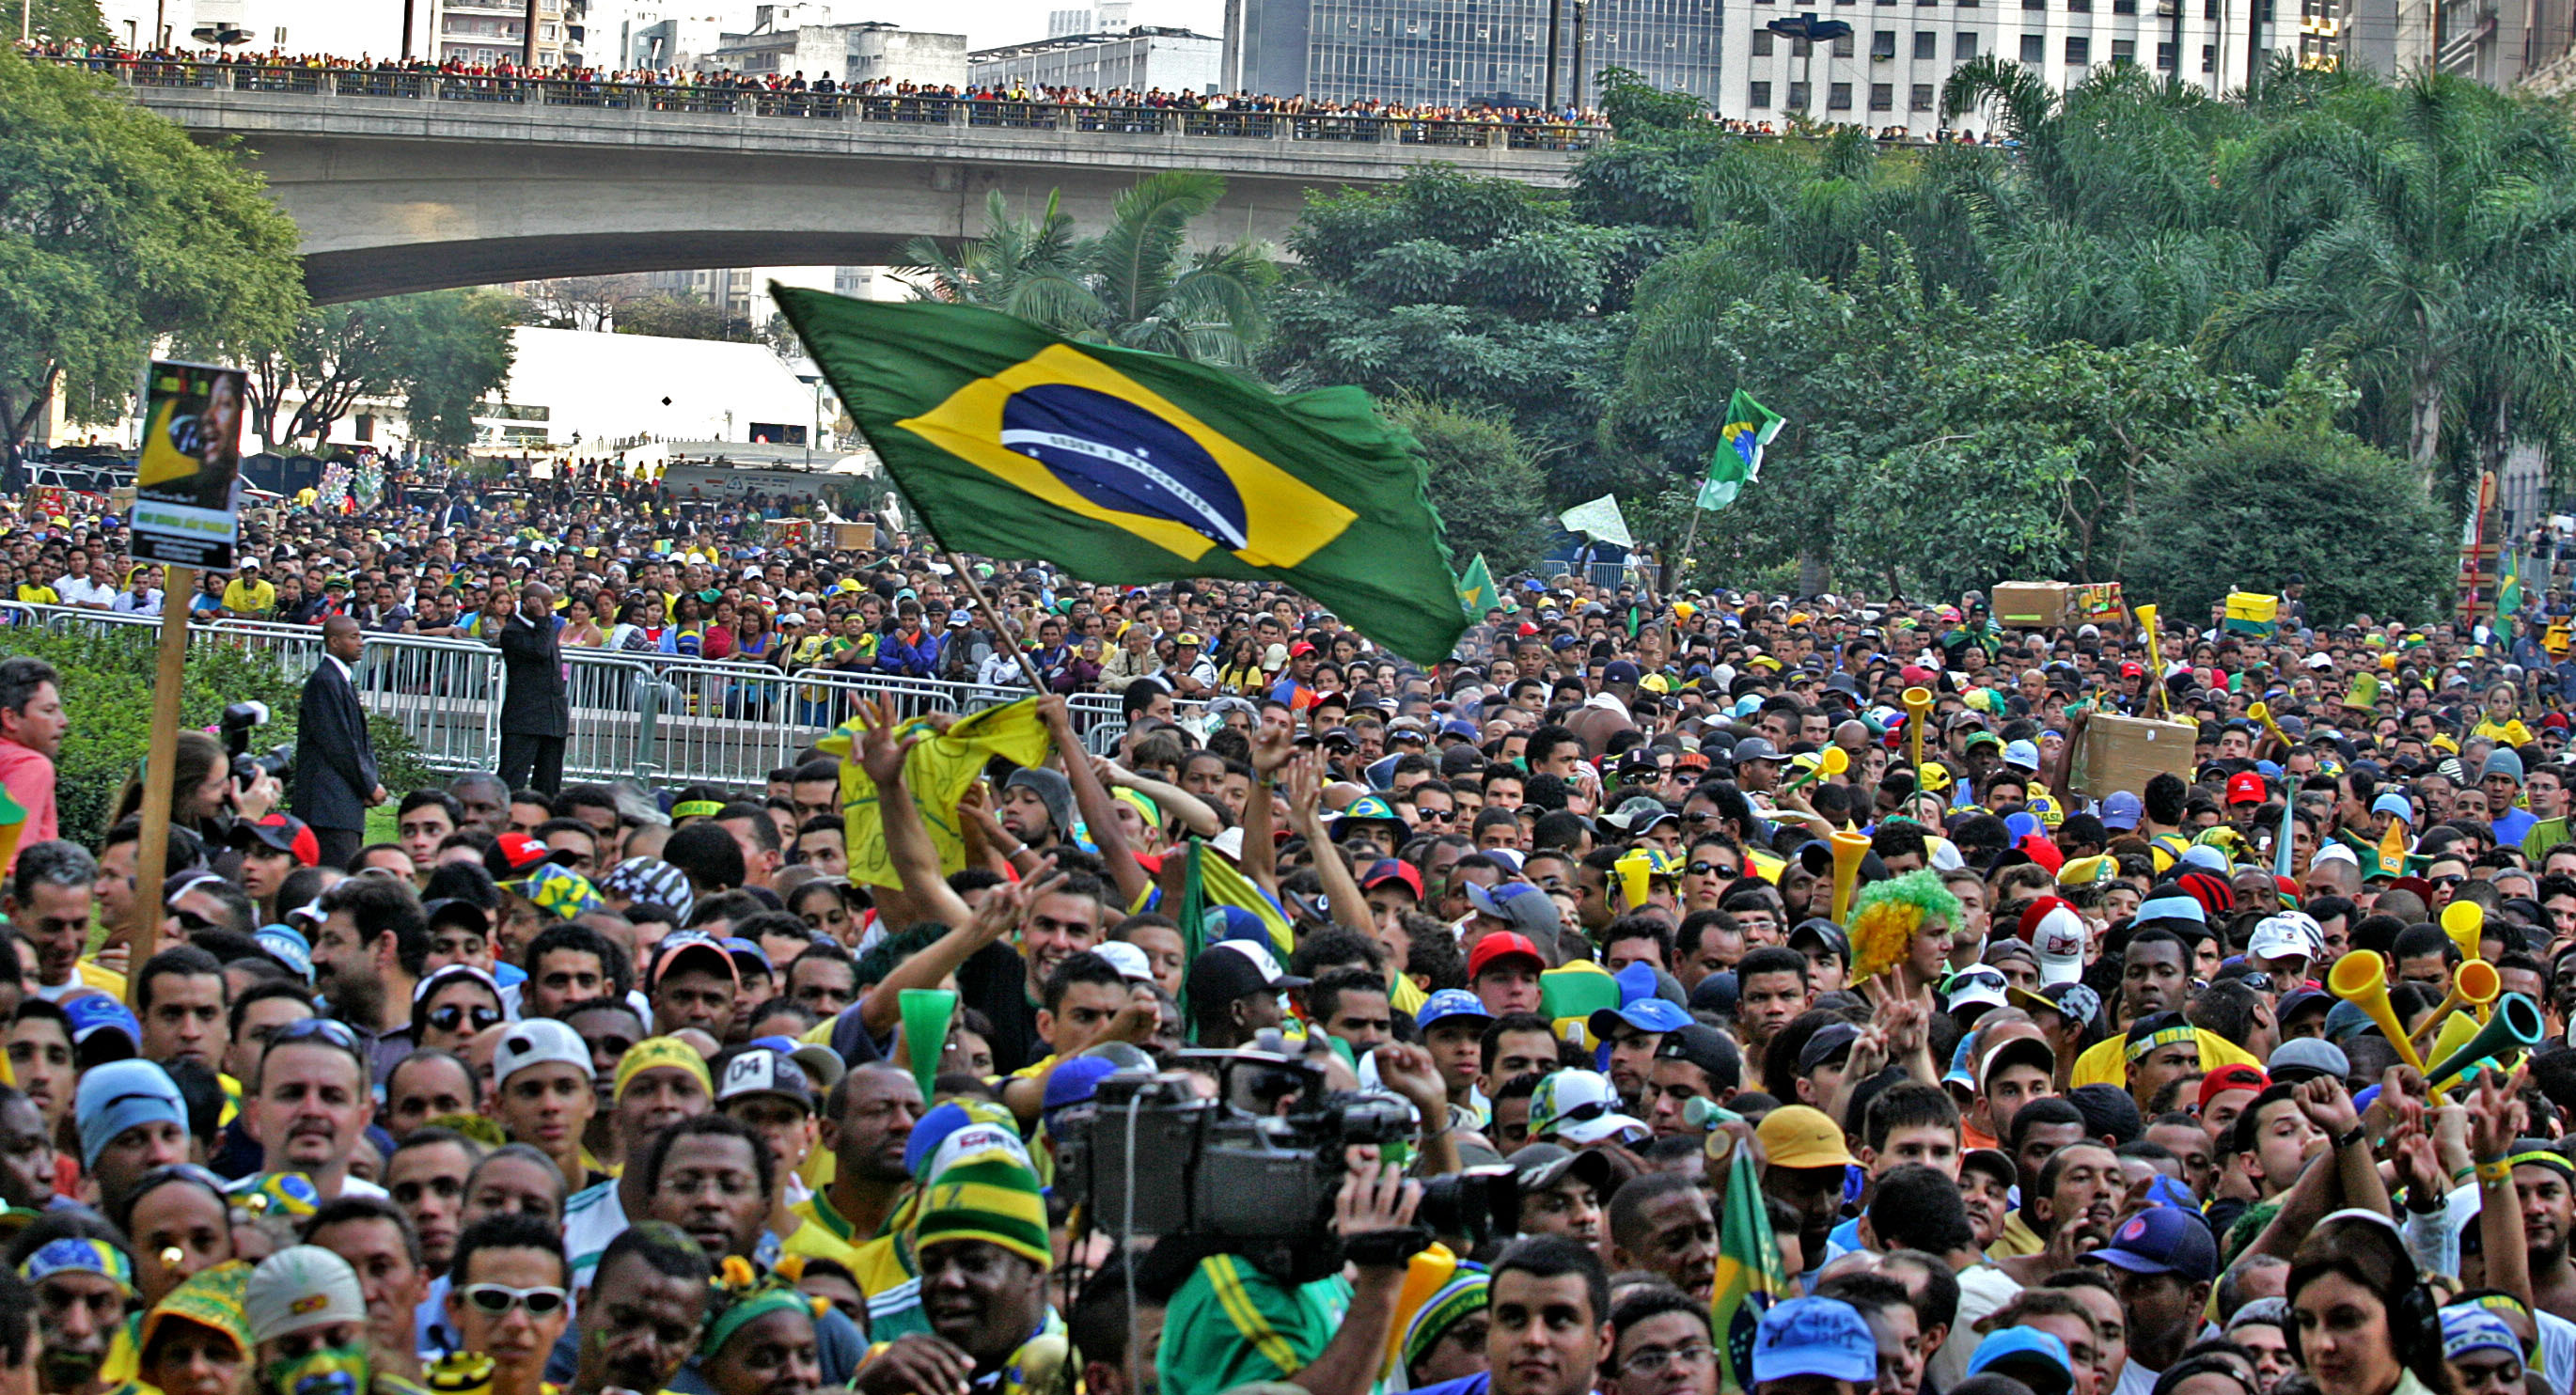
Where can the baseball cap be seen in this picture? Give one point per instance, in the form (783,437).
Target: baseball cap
(1231,969)
(2306,1058)
(1450,1004)
(2024,1051)
(1127,959)
(763,1070)
(1520,905)
(1392,869)
(1975,986)
(281,833)
(2235,1077)
(703,949)
(1823,934)
(2026,1354)
(299,1288)
(1704,1047)
(513,855)
(1540,1166)
(1507,944)
(2245,787)
(2162,1240)
(103,1030)
(2022,755)
(1799,1135)
(2287,935)
(1826,1043)
(2121,811)
(659,1053)
(1814,1337)
(1649,1014)
(536,1042)
(287,945)
(1581,1107)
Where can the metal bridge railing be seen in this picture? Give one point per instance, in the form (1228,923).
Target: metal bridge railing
(669,720)
(977,112)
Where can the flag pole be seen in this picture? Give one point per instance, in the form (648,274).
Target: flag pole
(1690,536)
(1001,620)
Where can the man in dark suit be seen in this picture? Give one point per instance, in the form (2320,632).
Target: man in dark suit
(535,714)
(335,767)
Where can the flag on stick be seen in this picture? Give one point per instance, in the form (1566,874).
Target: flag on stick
(1737,461)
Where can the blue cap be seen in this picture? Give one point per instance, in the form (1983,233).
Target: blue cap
(122,1095)
(1074,1081)
(2204,857)
(2466,1327)
(2020,1349)
(1241,924)
(2121,811)
(288,946)
(2022,755)
(1814,1337)
(1455,727)
(2503,760)
(1645,1014)
(2394,803)
(2162,1240)
(737,945)
(2021,823)
(1449,1003)
(91,1012)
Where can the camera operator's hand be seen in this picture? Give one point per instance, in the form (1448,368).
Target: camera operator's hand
(916,1363)
(1375,1197)
(255,800)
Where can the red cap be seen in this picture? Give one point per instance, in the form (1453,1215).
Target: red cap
(1393,869)
(284,833)
(2236,1077)
(2043,852)
(1498,946)
(2133,669)
(2034,911)
(520,851)
(2245,788)
(1299,648)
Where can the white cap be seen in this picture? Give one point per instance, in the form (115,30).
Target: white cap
(1127,959)
(2287,935)
(300,1287)
(2059,941)
(535,1043)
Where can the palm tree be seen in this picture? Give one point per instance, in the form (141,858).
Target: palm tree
(2426,234)
(1136,285)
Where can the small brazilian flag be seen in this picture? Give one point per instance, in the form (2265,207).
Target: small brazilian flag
(1476,593)
(1748,428)
(1122,466)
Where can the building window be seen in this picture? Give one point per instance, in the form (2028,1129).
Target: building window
(1838,97)
(2079,50)
(1801,95)
(1926,44)
(1762,43)
(2124,50)
(1843,46)
(1920,99)
(2208,58)
(1758,96)
(2034,49)
(2165,56)
(1964,47)
(1882,96)
(1882,44)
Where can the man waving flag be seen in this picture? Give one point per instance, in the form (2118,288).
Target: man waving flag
(1122,466)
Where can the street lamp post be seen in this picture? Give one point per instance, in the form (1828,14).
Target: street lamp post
(1813,31)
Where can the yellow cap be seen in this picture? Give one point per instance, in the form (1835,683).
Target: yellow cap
(654,1053)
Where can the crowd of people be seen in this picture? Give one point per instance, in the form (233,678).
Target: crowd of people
(1721,942)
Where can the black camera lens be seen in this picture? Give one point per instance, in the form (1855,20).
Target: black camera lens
(1482,1204)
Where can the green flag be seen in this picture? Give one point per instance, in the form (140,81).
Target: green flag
(1738,461)
(1476,593)
(2509,590)
(1750,1277)
(1121,466)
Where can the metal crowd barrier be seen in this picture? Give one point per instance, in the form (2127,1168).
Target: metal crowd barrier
(978,112)
(651,716)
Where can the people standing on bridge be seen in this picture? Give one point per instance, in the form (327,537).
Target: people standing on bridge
(335,763)
(536,716)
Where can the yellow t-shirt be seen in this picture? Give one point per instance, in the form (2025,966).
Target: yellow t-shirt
(250,596)
(2107,1062)
(821,1233)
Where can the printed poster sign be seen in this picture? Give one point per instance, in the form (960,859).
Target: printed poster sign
(188,481)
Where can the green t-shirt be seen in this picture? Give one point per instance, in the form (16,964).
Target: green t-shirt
(1231,1324)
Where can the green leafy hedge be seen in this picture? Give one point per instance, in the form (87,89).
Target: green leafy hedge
(107,689)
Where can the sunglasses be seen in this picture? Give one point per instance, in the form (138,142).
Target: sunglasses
(1710,869)
(329,1029)
(497,1299)
(446,1019)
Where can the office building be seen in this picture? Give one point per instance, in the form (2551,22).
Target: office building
(1141,60)
(1890,70)
(801,38)
(1468,52)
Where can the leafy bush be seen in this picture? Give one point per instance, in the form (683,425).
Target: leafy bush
(107,689)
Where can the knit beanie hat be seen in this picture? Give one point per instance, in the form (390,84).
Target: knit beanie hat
(989,1196)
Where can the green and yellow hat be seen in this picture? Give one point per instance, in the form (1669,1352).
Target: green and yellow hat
(988,1196)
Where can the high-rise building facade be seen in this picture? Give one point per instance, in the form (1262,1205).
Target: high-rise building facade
(1468,52)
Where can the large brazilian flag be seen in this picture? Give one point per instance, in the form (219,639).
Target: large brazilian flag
(1122,466)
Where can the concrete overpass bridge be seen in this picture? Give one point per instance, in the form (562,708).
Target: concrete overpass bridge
(405,181)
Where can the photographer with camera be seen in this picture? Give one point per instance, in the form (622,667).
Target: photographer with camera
(335,779)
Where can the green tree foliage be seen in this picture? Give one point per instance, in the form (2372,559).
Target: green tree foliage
(1484,478)
(1137,285)
(2277,496)
(67,20)
(439,352)
(677,315)
(116,228)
